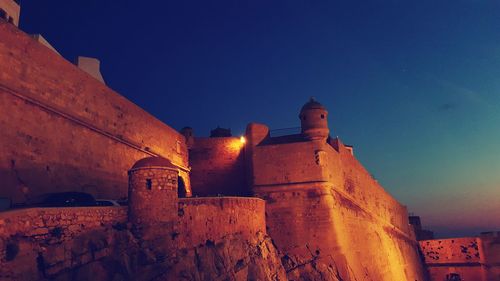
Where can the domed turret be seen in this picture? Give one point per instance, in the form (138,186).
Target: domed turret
(313,120)
(152,192)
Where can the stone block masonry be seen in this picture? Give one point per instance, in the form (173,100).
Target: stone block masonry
(202,219)
(327,214)
(39,241)
(212,239)
(218,167)
(64,131)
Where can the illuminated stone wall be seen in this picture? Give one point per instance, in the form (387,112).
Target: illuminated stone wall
(218,167)
(472,258)
(202,219)
(54,239)
(328,216)
(152,196)
(212,239)
(62,130)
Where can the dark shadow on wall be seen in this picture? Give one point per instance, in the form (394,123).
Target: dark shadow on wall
(181,188)
(21,184)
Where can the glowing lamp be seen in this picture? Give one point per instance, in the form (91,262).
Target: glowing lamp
(243,140)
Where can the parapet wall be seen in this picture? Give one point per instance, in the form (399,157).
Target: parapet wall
(218,167)
(63,130)
(39,239)
(38,223)
(202,219)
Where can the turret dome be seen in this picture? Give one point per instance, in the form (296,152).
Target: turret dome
(313,120)
(153,161)
(312,104)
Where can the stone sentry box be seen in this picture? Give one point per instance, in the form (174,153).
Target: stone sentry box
(153,192)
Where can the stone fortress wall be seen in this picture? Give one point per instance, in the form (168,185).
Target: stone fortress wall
(74,238)
(208,218)
(472,258)
(324,209)
(218,166)
(64,130)
(62,236)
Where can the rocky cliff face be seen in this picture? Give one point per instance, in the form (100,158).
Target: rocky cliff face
(116,254)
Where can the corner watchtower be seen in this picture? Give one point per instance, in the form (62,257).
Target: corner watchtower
(313,120)
(152,192)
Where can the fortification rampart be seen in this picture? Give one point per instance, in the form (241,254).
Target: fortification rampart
(64,130)
(373,226)
(322,206)
(218,167)
(39,223)
(357,184)
(285,163)
(283,166)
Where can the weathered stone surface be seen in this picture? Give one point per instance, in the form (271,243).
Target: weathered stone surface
(209,239)
(218,167)
(66,131)
(471,258)
(232,258)
(128,258)
(326,213)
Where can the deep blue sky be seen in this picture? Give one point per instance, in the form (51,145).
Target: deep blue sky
(413,85)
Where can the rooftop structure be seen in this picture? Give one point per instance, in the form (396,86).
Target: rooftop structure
(10,11)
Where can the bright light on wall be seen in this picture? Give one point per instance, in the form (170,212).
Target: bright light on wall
(243,140)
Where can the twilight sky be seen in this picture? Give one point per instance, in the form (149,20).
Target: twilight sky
(413,85)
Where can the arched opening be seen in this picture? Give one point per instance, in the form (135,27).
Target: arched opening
(181,188)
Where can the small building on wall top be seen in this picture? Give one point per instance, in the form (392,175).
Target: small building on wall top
(314,120)
(10,11)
